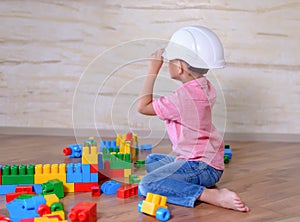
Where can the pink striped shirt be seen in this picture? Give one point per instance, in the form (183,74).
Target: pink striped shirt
(188,116)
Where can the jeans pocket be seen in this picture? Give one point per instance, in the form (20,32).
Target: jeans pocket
(193,179)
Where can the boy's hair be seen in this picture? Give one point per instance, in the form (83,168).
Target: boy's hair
(197,70)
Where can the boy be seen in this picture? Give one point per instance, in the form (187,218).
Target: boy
(199,148)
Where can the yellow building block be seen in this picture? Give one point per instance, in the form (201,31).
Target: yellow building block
(69,187)
(127,172)
(59,213)
(50,199)
(44,173)
(89,155)
(152,203)
(50,218)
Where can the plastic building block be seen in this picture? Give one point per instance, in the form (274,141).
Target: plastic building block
(53,187)
(4,218)
(24,208)
(146,146)
(57,216)
(227,153)
(11,196)
(83,212)
(56,207)
(50,199)
(37,188)
(95,191)
(111,173)
(127,172)
(140,163)
(24,189)
(110,187)
(84,187)
(44,173)
(0,174)
(127,191)
(120,161)
(134,179)
(43,209)
(94,167)
(5,189)
(155,205)
(73,151)
(69,187)
(18,174)
(86,173)
(89,155)
(100,162)
(74,173)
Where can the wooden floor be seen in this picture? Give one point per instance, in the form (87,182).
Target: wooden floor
(265,174)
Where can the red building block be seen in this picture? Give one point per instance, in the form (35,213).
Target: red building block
(94,168)
(127,191)
(111,173)
(83,212)
(96,191)
(24,189)
(11,196)
(43,209)
(4,218)
(84,187)
(27,220)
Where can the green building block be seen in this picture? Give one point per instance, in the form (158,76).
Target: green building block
(120,161)
(25,196)
(226,159)
(16,174)
(53,187)
(134,179)
(56,207)
(140,163)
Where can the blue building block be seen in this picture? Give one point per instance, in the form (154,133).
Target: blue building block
(109,145)
(86,173)
(37,188)
(100,162)
(76,150)
(228,152)
(4,189)
(94,177)
(110,187)
(24,208)
(74,173)
(146,146)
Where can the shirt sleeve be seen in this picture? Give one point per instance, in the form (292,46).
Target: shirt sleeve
(165,107)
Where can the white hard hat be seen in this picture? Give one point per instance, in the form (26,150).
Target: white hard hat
(196,45)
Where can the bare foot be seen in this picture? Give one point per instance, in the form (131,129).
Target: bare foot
(223,198)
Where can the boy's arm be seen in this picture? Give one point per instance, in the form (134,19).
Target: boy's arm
(145,105)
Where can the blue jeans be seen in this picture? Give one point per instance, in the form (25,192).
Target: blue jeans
(182,182)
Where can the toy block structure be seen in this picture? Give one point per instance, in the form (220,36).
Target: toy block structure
(54,187)
(81,173)
(155,205)
(83,212)
(127,191)
(24,208)
(18,174)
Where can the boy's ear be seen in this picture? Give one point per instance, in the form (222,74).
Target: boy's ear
(180,67)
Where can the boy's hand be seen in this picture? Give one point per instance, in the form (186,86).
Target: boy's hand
(156,61)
